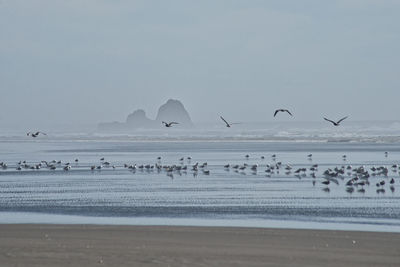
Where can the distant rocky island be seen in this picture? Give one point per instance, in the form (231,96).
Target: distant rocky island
(172,110)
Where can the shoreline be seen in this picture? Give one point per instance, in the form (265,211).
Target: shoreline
(35,218)
(94,245)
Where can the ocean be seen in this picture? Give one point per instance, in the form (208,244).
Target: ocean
(264,191)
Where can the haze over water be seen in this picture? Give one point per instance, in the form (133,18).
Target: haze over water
(75,63)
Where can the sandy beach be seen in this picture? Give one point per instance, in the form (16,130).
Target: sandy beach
(94,245)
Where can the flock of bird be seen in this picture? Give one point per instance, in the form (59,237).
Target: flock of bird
(227,124)
(103,164)
(355,178)
(358,177)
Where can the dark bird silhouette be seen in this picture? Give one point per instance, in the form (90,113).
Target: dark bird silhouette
(35,134)
(336,123)
(282,110)
(227,123)
(326,182)
(169,124)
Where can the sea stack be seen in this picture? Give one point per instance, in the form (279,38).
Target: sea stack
(138,119)
(174,110)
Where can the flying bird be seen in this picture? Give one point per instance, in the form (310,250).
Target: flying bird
(227,123)
(35,134)
(282,110)
(337,123)
(169,124)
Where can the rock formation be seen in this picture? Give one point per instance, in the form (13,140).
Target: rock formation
(138,119)
(172,110)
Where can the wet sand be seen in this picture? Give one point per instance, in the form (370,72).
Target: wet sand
(98,245)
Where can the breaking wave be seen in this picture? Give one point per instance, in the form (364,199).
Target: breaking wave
(373,132)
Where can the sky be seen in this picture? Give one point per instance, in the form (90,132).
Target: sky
(80,62)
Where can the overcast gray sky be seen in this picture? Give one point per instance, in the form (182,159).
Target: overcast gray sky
(83,61)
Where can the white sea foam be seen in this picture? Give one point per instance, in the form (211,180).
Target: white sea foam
(376,132)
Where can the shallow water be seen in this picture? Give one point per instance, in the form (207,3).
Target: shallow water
(224,197)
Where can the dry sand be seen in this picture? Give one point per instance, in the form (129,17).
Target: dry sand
(94,245)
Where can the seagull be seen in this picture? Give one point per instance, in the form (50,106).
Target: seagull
(227,123)
(282,110)
(35,134)
(169,124)
(326,182)
(337,123)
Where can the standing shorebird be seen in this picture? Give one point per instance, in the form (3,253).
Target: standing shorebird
(35,134)
(282,110)
(169,124)
(336,123)
(227,123)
